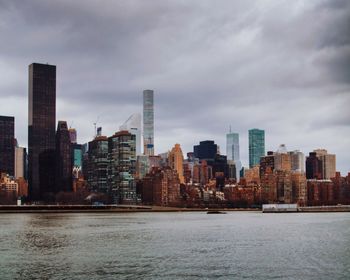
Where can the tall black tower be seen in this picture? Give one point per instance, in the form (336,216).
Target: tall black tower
(7,145)
(41,130)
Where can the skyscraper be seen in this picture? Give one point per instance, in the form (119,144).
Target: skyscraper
(205,150)
(20,162)
(297,161)
(63,158)
(148,123)
(176,162)
(122,167)
(232,151)
(256,146)
(7,145)
(41,129)
(133,125)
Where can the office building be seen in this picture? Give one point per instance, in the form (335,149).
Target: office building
(148,122)
(205,150)
(20,162)
(232,151)
(297,159)
(176,161)
(63,158)
(282,159)
(256,146)
(73,135)
(328,163)
(7,145)
(41,130)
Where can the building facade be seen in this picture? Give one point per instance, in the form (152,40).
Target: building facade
(232,151)
(148,122)
(122,167)
(63,158)
(256,146)
(176,161)
(41,129)
(97,164)
(7,145)
(133,125)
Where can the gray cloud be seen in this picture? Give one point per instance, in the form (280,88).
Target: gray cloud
(280,65)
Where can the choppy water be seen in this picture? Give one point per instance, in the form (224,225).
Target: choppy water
(238,245)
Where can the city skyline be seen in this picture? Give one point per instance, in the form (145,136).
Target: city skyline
(301,104)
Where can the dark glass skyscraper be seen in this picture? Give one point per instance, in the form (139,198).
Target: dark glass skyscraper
(7,145)
(256,146)
(205,150)
(63,158)
(41,130)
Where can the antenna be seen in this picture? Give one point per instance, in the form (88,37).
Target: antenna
(95,125)
(230,129)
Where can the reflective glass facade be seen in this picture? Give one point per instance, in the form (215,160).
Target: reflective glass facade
(256,146)
(41,129)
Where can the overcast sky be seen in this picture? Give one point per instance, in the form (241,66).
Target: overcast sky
(282,66)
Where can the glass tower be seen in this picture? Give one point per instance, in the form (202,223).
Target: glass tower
(232,150)
(256,146)
(41,130)
(148,123)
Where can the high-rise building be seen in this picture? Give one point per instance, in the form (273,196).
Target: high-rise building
(297,159)
(256,146)
(148,123)
(282,159)
(313,166)
(97,164)
(205,150)
(41,129)
(267,164)
(328,163)
(232,150)
(133,125)
(20,162)
(77,160)
(7,145)
(122,167)
(63,158)
(73,135)
(176,162)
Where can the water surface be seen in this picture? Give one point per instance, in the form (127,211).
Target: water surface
(238,245)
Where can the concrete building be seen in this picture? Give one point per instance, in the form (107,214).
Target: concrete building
(176,161)
(41,130)
(328,163)
(256,146)
(148,122)
(20,162)
(282,159)
(297,159)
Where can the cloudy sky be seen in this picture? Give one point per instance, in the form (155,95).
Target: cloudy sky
(282,66)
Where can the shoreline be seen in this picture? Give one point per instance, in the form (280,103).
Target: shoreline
(30,209)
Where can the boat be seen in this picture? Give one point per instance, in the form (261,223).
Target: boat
(215,212)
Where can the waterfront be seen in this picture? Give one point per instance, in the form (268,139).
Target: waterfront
(186,245)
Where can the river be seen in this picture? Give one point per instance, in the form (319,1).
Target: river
(184,245)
